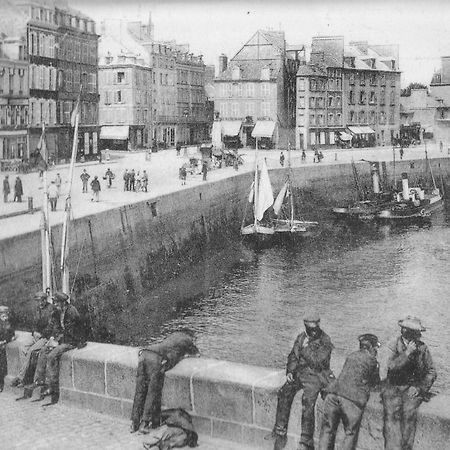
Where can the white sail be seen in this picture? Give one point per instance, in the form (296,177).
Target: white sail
(280,199)
(251,195)
(264,194)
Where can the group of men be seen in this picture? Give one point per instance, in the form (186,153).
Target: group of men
(135,181)
(407,374)
(57,329)
(18,189)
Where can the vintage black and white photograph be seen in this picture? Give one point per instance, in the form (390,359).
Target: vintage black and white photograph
(224,225)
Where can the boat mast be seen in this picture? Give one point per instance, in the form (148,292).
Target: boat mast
(68,209)
(256,194)
(291,197)
(395,177)
(429,166)
(45,225)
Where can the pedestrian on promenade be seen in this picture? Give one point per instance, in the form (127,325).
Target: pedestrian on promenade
(52,193)
(95,185)
(85,178)
(18,190)
(401,152)
(410,375)
(126,180)
(58,182)
(6,335)
(109,176)
(178,148)
(145,181)
(132,178)
(347,396)
(138,181)
(41,333)
(6,189)
(320,157)
(205,170)
(67,336)
(282,159)
(154,362)
(303,155)
(308,368)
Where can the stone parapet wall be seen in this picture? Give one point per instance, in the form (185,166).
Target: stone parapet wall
(228,400)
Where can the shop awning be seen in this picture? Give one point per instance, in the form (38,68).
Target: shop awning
(361,130)
(345,136)
(119,132)
(263,128)
(231,127)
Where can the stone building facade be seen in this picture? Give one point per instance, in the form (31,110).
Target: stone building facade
(348,94)
(61,51)
(14,94)
(258,85)
(125,81)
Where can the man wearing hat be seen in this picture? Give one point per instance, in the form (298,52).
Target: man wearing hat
(308,368)
(410,375)
(348,395)
(41,332)
(6,335)
(67,335)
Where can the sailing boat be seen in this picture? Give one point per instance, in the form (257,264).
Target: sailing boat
(261,196)
(283,208)
(413,203)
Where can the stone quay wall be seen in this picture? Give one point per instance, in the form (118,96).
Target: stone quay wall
(129,246)
(231,401)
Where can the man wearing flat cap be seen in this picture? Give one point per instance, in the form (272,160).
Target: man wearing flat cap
(348,395)
(308,368)
(410,375)
(66,335)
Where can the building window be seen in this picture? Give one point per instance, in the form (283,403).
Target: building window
(312,102)
(119,97)
(392,98)
(235,109)
(121,77)
(362,117)
(383,80)
(301,84)
(372,118)
(301,102)
(320,119)
(372,98)
(382,96)
(312,119)
(250,90)
(236,73)
(373,78)
(362,79)
(330,119)
(265,89)
(265,109)
(330,84)
(338,119)
(351,117)
(312,84)
(301,120)
(351,78)
(338,84)
(391,116)
(265,73)
(319,102)
(351,97)
(330,102)
(223,110)
(362,98)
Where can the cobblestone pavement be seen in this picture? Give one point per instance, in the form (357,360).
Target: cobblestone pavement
(29,426)
(162,168)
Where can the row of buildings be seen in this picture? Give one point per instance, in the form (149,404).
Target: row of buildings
(134,91)
(343,93)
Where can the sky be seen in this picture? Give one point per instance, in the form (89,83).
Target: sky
(420,28)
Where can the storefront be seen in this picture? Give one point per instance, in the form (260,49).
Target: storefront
(362,136)
(230,133)
(264,133)
(114,137)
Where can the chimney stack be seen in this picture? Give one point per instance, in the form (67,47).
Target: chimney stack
(223,63)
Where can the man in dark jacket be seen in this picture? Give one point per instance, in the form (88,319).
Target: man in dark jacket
(410,375)
(6,189)
(67,335)
(154,362)
(6,335)
(348,395)
(308,368)
(18,190)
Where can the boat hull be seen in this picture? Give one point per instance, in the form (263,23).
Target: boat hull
(397,213)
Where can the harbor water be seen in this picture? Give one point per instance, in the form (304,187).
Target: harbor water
(246,305)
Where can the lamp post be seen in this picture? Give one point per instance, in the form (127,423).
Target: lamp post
(186,113)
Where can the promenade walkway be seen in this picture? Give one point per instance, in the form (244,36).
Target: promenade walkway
(29,426)
(163,178)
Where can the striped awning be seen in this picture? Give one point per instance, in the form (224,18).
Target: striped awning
(361,130)
(263,128)
(119,132)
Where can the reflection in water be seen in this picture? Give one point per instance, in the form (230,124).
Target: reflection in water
(247,305)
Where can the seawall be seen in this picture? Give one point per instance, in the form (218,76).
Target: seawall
(231,401)
(117,255)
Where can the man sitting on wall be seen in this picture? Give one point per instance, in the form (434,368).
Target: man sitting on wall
(154,362)
(67,335)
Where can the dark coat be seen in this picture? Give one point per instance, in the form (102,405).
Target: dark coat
(6,188)
(67,326)
(416,370)
(18,189)
(95,185)
(174,348)
(85,177)
(6,331)
(45,320)
(359,374)
(314,359)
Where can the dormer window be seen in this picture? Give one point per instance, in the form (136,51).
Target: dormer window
(393,64)
(265,74)
(236,74)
